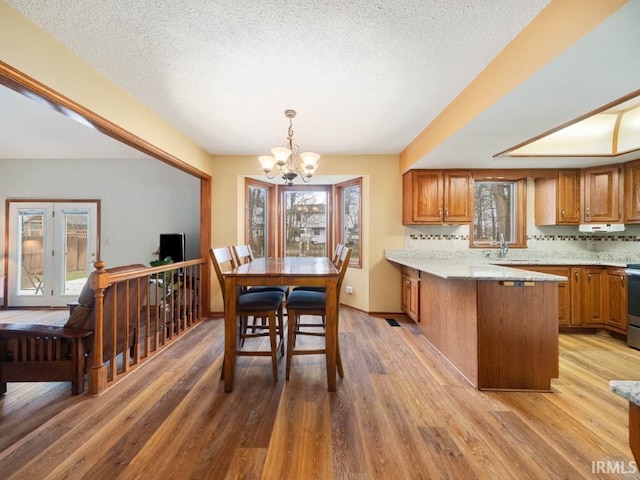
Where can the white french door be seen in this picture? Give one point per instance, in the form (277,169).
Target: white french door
(52,247)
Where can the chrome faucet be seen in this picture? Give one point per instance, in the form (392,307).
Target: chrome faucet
(504,248)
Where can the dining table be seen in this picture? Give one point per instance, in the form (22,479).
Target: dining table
(279,271)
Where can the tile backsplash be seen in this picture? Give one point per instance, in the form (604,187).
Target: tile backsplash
(541,241)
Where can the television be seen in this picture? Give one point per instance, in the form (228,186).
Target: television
(172,245)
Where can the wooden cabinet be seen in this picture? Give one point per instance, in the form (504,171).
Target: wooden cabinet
(592,297)
(411,293)
(601,199)
(632,192)
(593,293)
(458,197)
(617,299)
(557,200)
(564,289)
(437,196)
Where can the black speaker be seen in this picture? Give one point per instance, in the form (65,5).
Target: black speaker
(172,245)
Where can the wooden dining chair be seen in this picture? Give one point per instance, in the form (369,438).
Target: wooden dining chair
(242,254)
(260,305)
(310,302)
(336,261)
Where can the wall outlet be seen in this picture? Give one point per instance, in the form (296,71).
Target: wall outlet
(348,289)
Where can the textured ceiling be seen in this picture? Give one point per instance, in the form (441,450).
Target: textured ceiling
(365,76)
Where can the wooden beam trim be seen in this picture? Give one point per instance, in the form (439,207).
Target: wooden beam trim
(29,86)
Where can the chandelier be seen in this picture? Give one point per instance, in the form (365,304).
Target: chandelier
(287,162)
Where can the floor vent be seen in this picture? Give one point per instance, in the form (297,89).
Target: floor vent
(392,322)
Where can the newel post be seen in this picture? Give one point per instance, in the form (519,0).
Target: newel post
(98,372)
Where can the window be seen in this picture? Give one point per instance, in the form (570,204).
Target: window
(259,231)
(305,221)
(499,210)
(349,199)
(311,219)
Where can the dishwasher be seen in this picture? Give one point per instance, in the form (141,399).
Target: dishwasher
(633,305)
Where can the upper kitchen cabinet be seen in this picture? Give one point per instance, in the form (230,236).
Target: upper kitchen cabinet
(437,196)
(632,192)
(557,200)
(601,194)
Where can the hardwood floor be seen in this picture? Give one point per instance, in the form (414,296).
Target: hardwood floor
(401,412)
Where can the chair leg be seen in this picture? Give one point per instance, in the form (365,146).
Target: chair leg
(281,329)
(244,321)
(274,345)
(292,320)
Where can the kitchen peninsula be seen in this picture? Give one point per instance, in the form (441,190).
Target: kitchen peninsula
(497,325)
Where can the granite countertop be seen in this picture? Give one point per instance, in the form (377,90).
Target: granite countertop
(628,389)
(558,261)
(470,269)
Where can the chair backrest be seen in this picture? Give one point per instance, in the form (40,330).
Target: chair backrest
(337,253)
(220,257)
(242,254)
(345,256)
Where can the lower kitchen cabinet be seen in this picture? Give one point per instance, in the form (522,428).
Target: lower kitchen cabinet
(564,290)
(617,301)
(411,293)
(593,297)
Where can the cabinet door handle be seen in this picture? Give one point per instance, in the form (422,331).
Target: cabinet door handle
(588,213)
(440,212)
(446,213)
(576,275)
(588,277)
(622,280)
(408,283)
(562,212)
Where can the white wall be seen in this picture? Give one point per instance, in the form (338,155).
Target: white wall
(139,199)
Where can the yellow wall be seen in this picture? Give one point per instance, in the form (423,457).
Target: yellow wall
(377,284)
(27,48)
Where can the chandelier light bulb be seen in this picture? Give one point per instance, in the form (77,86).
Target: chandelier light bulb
(309,159)
(267,162)
(281,154)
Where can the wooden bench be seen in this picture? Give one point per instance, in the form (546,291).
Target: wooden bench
(45,353)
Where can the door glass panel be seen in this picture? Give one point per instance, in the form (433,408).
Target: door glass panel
(31,272)
(76,263)
(51,250)
(305,226)
(257,220)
